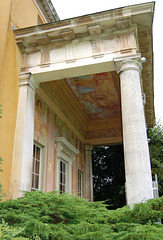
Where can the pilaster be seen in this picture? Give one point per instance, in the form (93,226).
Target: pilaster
(88,173)
(21,172)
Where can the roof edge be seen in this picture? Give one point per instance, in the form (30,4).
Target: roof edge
(47,9)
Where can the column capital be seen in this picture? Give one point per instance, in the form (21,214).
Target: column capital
(28,80)
(88,147)
(133,62)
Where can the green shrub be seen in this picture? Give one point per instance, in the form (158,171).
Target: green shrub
(2,194)
(54,216)
(8,232)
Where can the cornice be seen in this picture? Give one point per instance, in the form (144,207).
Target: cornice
(67,145)
(47,9)
(107,23)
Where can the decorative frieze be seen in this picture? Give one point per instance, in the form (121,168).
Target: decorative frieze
(124,42)
(24,63)
(98,49)
(70,53)
(45,58)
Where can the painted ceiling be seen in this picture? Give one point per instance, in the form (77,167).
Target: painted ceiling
(98,94)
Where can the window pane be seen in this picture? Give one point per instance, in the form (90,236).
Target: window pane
(34,150)
(64,180)
(37,166)
(33,180)
(33,170)
(60,177)
(61,166)
(64,166)
(36,181)
(62,184)
(37,153)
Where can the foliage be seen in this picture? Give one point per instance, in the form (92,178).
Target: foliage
(2,194)
(54,216)
(8,232)
(108,168)
(109,175)
(0,111)
(155,139)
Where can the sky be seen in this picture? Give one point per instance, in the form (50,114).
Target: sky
(73,8)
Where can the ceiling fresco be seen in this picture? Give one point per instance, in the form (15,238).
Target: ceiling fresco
(99,94)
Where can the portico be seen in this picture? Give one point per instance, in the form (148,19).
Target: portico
(88,72)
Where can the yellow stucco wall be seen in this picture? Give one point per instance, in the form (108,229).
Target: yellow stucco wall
(24,13)
(17,13)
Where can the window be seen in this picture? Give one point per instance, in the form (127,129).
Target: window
(66,154)
(63,176)
(36,167)
(80,184)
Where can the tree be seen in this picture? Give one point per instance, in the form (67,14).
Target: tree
(155,140)
(108,168)
(109,175)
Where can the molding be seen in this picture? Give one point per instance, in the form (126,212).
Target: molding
(104,141)
(27,79)
(47,10)
(132,62)
(67,146)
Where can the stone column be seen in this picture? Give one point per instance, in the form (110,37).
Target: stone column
(88,173)
(21,170)
(136,152)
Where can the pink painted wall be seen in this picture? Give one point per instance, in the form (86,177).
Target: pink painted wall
(48,126)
